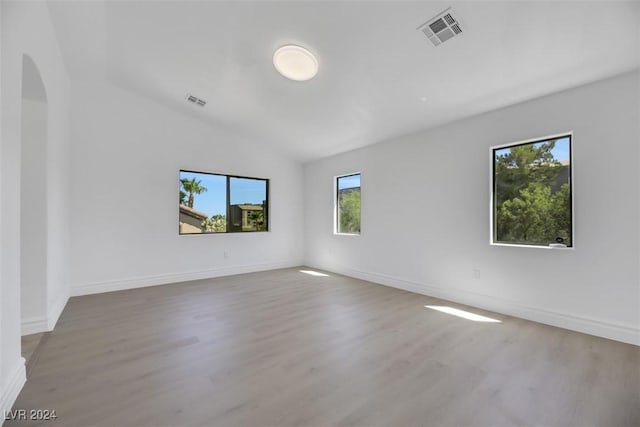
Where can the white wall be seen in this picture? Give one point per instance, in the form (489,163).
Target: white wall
(6,397)
(27,29)
(33,214)
(126,155)
(425,214)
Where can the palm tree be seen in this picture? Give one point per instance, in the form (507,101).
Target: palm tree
(257,217)
(192,187)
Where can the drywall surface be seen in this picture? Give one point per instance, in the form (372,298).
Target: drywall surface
(33,212)
(27,30)
(126,156)
(425,214)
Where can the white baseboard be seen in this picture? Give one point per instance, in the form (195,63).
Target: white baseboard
(33,325)
(10,390)
(55,310)
(163,279)
(615,331)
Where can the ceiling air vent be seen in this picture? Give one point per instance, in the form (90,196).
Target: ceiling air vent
(194,100)
(441,27)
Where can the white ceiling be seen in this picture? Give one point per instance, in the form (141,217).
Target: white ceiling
(379,77)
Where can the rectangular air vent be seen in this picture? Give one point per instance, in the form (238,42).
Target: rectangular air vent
(195,100)
(441,27)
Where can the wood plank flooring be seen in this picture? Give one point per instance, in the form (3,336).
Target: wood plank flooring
(283,348)
(31,346)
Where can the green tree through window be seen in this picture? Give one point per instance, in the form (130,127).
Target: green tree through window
(191,187)
(348,203)
(532,193)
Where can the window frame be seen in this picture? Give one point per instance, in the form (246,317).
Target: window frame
(492,190)
(336,207)
(228,202)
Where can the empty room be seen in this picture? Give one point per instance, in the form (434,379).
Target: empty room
(319,213)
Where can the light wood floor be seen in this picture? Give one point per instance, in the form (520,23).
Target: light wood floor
(282,348)
(31,346)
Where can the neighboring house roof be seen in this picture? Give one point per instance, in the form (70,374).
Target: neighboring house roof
(250,207)
(193,213)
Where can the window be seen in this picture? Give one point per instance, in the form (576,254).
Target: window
(348,204)
(213,203)
(532,195)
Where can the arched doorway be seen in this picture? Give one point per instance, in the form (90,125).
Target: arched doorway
(33,200)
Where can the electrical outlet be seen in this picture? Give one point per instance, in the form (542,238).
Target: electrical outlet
(476,274)
(226,254)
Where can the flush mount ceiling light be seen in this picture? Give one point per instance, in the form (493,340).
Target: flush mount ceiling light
(295,63)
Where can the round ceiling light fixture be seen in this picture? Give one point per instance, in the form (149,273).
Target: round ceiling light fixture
(295,63)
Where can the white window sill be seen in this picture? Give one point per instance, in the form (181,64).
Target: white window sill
(514,245)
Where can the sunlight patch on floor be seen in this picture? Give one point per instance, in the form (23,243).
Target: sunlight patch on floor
(314,273)
(464,314)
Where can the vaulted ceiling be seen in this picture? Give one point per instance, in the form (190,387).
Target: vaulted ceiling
(378,76)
